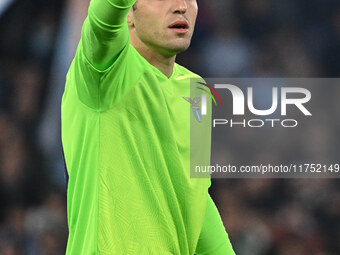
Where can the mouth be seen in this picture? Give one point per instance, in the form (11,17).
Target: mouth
(180,26)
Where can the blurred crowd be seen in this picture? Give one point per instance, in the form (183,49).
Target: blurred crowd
(233,38)
(32,207)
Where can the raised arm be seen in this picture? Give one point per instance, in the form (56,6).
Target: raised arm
(213,239)
(105,32)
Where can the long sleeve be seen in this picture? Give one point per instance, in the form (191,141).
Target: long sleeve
(105,32)
(100,64)
(213,239)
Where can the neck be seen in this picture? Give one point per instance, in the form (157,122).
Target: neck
(162,62)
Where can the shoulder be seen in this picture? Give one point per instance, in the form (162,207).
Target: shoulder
(182,72)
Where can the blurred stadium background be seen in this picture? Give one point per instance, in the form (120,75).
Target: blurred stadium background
(233,38)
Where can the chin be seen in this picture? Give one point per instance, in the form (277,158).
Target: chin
(180,47)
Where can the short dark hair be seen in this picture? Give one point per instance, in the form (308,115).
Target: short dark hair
(134,7)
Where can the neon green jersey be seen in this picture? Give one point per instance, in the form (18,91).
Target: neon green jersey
(126,140)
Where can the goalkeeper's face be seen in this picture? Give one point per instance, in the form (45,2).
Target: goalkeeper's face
(165,26)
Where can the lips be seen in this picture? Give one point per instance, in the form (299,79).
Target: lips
(180,26)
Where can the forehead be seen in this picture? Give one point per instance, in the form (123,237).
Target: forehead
(155,7)
(163,2)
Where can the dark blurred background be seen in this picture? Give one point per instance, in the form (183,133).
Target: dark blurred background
(233,38)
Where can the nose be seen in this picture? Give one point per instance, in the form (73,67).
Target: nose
(180,6)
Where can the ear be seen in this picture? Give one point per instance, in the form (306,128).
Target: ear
(130,19)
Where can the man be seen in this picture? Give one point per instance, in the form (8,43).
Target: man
(125,133)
